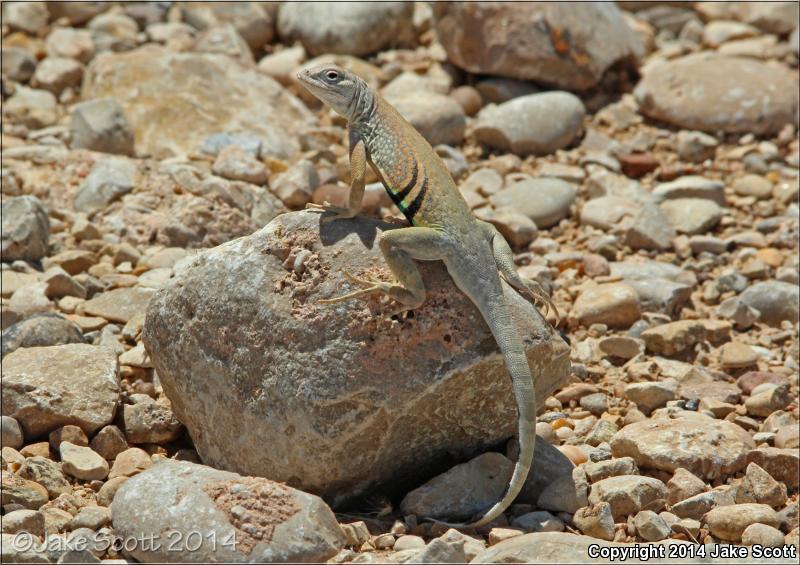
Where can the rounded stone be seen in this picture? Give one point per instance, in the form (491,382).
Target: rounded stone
(709,449)
(545,201)
(710,92)
(536,124)
(336,425)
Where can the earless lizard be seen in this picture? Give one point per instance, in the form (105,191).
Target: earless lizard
(442,228)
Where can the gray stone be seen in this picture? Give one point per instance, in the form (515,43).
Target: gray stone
(651,229)
(711,93)
(235,163)
(253,21)
(47,473)
(651,395)
(296,185)
(351,28)
(606,212)
(439,118)
(18,63)
(462,492)
(696,146)
(774,300)
(10,432)
(629,494)
(71,43)
(224,40)
(661,295)
(615,304)
(25,229)
(108,181)
(517,40)
(120,304)
(650,526)
(269,521)
(45,388)
(100,125)
(692,215)
(29,17)
(40,330)
(545,201)
(82,463)
(595,521)
(324,453)
(551,465)
(695,507)
(33,108)
(57,73)
(538,521)
(566,494)
(171,114)
(76,13)
(708,449)
(758,486)
(536,124)
(600,470)
(150,422)
(31,521)
(691,186)
(728,523)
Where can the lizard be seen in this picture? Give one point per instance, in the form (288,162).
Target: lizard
(443,228)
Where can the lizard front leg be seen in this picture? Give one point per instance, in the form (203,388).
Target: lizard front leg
(358,168)
(400,248)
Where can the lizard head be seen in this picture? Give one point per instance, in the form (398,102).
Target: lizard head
(336,87)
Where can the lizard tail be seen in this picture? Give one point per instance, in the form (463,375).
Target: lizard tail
(511,346)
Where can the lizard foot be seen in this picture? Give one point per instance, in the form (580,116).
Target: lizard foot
(338,212)
(540,297)
(371,286)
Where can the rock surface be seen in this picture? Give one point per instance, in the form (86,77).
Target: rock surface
(435,392)
(351,28)
(267,521)
(25,229)
(151,85)
(536,124)
(47,387)
(550,43)
(713,93)
(706,448)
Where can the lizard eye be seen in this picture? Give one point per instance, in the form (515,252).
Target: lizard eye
(331,75)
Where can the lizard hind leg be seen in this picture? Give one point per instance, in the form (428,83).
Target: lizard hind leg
(530,289)
(400,248)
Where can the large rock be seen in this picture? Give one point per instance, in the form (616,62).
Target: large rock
(713,93)
(709,449)
(173,101)
(45,388)
(222,517)
(244,353)
(25,229)
(349,28)
(565,45)
(536,124)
